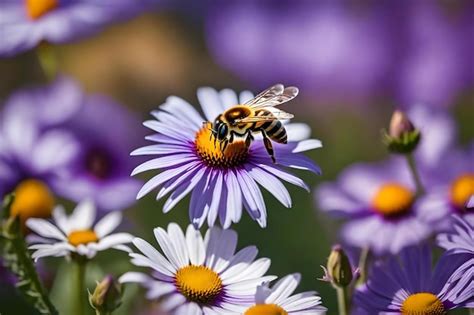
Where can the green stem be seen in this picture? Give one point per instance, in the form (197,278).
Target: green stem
(363,265)
(80,293)
(416,175)
(343,300)
(47,59)
(17,258)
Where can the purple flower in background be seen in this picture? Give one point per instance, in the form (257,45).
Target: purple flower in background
(324,47)
(26,23)
(408,285)
(106,133)
(35,145)
(380,203)
(220,182)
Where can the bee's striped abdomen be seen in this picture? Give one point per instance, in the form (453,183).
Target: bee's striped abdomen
(274,129)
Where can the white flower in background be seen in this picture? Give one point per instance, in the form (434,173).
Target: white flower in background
(277,300)
(198,276)
(76,233)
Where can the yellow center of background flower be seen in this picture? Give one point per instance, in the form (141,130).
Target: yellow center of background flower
(423,304)
(33,199)
(393,199)
(210,151)
(79,237)
(462,189)
(198,283)
(265,309)
(38,8)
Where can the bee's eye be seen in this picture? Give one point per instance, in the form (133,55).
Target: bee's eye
(222,131)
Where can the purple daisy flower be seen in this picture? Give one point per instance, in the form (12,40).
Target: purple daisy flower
(24,24)
(101,170)
(220,182)
(379,201)
(408,285)
(461,240)
(35,147)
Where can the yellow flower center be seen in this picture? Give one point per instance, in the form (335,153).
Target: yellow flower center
(210,150)
(38,8)
(423,304)
(266,309)
(198,283)
(79,237)
(33,199)
(393,200)
(462,189)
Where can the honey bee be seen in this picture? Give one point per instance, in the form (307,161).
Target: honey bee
(257,115)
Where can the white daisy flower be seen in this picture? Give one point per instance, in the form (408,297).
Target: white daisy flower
(278,301)
(198,276)
(76,233)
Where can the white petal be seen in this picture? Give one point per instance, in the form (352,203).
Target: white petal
(195,245)
(306,145)
(210,102)
(154,256)
(283,288)
(112,240)
(107,224)
(83,216)
(45,229)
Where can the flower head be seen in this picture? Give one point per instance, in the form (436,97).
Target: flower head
(408,285)
(77,233)
(219,182)
(26,23)
(380,203)
(196,275)
(278,299)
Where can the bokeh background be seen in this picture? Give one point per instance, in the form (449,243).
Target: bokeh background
(354,61)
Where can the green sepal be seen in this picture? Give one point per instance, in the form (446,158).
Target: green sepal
(404,144)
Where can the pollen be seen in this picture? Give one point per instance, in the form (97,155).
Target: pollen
(210,152)
(198,284)
(423,304)
(83,237)
(33,199)
(392,200)
(266,309)
(462,189)
(38,8)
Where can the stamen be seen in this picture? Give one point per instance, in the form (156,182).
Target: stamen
(209,150)
(393,200)
(462,189)
(33,199)
(79,237)
(266,309)
(198,284)
(38,8)
(423,304)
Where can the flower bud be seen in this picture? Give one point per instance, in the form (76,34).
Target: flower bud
(339,268)
(402,136)
(107,295)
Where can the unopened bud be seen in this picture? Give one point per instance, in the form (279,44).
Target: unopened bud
(339,268)
(107,295)
(402,136)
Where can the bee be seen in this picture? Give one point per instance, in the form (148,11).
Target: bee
(257,115)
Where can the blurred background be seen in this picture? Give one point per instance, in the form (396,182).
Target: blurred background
(354,62)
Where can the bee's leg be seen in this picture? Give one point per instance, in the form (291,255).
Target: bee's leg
(268,146)
(224,145)
(231,138)
(248,138)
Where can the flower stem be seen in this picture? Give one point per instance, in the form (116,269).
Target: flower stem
(16,257)
(80,293)
(414,171)
(343,300)
(47,59)
(363,265)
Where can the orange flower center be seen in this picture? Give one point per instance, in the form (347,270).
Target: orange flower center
(423,304)
(79,237)
(33,199)
(198,283)
(462,189)
(38,8)
(211,153)
(265,309)
(393,200)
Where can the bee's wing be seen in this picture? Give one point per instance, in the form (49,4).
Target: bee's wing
(273,96)
(277,115)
